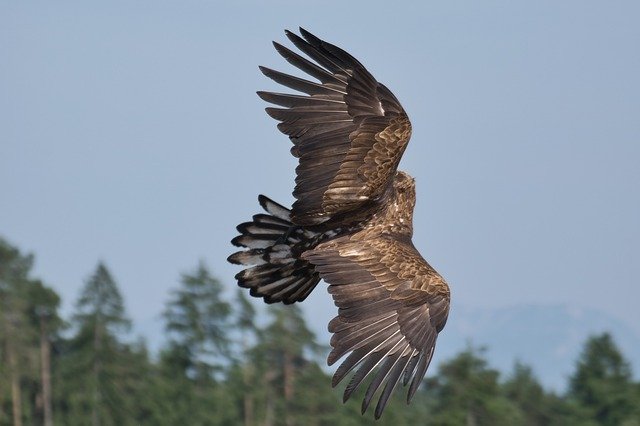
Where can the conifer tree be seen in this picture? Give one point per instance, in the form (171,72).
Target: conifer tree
(197,322)
(43,304)
(28,323)
(285,347)
(95,368)
(467,392)
(15,333)
(602,383)
(537,406)
(245,321)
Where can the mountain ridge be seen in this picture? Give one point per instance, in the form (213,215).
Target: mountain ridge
(548,338)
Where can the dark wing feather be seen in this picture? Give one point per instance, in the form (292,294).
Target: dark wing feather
(349,133)
(392,305)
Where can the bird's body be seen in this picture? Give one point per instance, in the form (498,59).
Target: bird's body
(351,224)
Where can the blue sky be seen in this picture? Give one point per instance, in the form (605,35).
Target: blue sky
(131,132)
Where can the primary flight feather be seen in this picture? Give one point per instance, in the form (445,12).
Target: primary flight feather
(351,223)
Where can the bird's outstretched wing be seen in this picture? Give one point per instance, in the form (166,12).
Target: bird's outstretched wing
(392,305)
(349,131)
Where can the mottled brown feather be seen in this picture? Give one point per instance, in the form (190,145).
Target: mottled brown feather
(357,130)
(392,304)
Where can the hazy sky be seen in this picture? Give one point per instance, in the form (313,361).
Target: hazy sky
(131,132)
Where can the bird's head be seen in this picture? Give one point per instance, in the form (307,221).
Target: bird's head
(405,188)
(400,210)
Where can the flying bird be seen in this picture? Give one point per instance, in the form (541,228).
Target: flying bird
(351,223)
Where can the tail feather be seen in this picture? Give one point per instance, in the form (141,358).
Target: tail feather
(275,209)
(274,246)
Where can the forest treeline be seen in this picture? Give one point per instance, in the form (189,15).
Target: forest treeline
(219,366)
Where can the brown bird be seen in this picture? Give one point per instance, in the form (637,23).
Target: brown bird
(351,223)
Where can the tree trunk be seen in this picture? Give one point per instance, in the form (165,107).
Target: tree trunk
(248,410)
(247,373)
(288,386)
(16,397)
(268,378)
(95,417)
(471,418)
(45,372)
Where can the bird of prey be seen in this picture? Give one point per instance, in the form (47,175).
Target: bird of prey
(351,223)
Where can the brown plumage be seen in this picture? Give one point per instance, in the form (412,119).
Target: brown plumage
(351,223)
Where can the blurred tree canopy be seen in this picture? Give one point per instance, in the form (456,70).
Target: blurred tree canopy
(219,366)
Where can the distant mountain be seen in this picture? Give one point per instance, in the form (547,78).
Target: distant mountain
(547,338)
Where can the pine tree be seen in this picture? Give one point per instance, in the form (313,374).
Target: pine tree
(536,405)
(18,332)
(467,392)
(43,304)
(29,322)
(198,322)
(602,383)
(245,321)
(285,348)
(95,365)
(14,331)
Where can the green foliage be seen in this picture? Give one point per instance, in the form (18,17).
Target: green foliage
(467,391)
(197,320)
(28,322)
(15,312)
(219,366)
(245,313)
(602,383)
(100,305)
(537,407)
(98,371)
(285,353)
